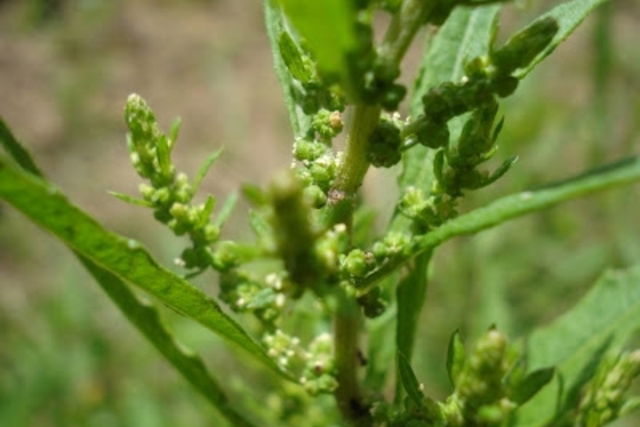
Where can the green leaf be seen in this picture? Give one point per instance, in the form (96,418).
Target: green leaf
(16,151)
(146,319)
(125,258)
(531,385)
(227,208)
(455,357)
(411,294)
(142,315)
(204,168)
(617,174)
(130,199)
(275,28)
(575,342)
(465,35)
(568,15)
(409,380)
(328,29)
(620,173)
(293,58)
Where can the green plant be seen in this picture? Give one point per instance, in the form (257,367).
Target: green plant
(315,275)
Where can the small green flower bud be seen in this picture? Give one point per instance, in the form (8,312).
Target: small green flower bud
(397,243)
(384,144)
(180,211)
(315,196)
(308,150)
(226,256)
(372,303)
(476,137)
(211,233)
(433,134)
(356,263)
(479,67)
(328,124)
(147,191)
(521,49)
(504,85)
(393,96)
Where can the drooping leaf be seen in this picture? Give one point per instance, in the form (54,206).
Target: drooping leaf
(455,357)
(146,319)
(568,16)
(275,28)
(142,315)
(576,341)
(125,258)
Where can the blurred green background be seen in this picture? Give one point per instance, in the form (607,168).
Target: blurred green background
(68,358)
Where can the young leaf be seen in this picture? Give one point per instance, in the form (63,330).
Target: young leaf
(531,385)
(568,16)
(130,199)
(275,28)
(125,258)
(328,28)
(227,208)
(604,317)
(204,168)
(409,380)
(455,357)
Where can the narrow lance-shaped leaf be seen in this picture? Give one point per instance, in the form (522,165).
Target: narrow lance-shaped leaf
(410,295)
(531,385)
(275,28)
(574,343)
(568,15)
(455,357)
(125,258)
(617,174)
(142,315)
(409,380)
(146,318)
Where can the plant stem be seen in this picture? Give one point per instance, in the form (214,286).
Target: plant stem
(346,324)
(354,165)
(350,175)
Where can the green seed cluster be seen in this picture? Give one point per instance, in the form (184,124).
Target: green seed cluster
(455,166)
(385,143)
(169,193)
(604,398)
(245,294)
(481,395)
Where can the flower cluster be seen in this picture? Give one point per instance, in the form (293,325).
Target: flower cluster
(168,193)
(604,399)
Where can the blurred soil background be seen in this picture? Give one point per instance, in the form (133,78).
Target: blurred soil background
(68,358)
